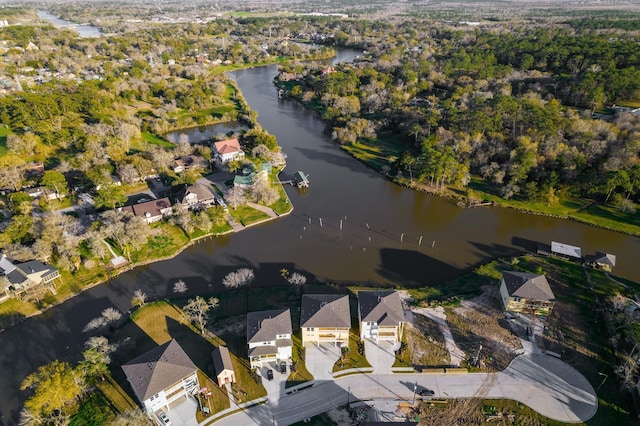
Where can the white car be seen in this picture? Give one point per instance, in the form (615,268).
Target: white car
(164,419)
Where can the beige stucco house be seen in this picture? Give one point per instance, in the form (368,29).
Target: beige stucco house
(325,318)
(526,293)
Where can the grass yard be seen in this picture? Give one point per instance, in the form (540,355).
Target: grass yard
(351,358)
(301,374)
(247,215)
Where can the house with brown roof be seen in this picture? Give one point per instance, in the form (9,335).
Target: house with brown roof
(190,162)
(525,292)
(381,316)
(151,211)
(269,336)
(325,318)
(228,150)
(196,196)
(223,365)
(162,376)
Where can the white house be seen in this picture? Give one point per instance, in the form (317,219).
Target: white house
(162,376)
(228,150)
(381,316)
(269,336)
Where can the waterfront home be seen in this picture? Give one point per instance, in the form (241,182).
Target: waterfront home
(17,278)
(381,316)
(161,377)
(223,365)
(269,336)
(526,293)
(227,150)
(196,196)
(325,318)
(151,211)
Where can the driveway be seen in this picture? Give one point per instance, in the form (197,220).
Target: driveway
(184,413)
(381,356)
(275,387)
(320,359)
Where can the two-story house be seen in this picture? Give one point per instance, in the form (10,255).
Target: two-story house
(20,277)
(381,316)
(194,196)
(527,293)
(325,318)
(150,211)
(269,336)
(227,150)
(161,376)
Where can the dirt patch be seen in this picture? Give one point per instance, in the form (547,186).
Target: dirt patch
(481,321)
(426,343)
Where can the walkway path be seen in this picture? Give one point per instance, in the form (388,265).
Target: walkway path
(548,385)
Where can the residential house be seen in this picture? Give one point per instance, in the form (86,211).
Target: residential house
(190,162)
(269,336)
(151,211)
(527,293)
(250,175)
(162,376)
(381,316)
(325,318)
(228,150)
(195,196)
(601,260)
(20,277)
(223,365)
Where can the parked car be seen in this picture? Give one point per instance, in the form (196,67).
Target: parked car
(270,374)
(425,392)
(283,367)
(164,419)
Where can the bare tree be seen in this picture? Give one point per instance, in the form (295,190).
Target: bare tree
(297,279)
(197,311)
(236,197)
(240,278)
(139,298)
(180,287)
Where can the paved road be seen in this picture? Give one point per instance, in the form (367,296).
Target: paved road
(546,384)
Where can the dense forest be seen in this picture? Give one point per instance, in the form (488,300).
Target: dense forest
(514,106)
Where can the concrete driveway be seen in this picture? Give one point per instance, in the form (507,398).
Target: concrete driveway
(320,359)
(381,356)
(275,387)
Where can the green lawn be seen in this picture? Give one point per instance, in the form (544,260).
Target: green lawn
(351,358)
(247,215)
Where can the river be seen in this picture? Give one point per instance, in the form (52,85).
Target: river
(350,226)
(82,30)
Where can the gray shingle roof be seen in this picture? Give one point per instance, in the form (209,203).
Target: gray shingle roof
(158,369)
(265,325)
(325,310)
(527,286)
(221,359)
(382,307)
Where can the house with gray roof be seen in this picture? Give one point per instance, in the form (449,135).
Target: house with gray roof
(223,365)
(269,336)
(381,316)
(196,196)
(325,318)
(17,278)
(525,292)
(162,376)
